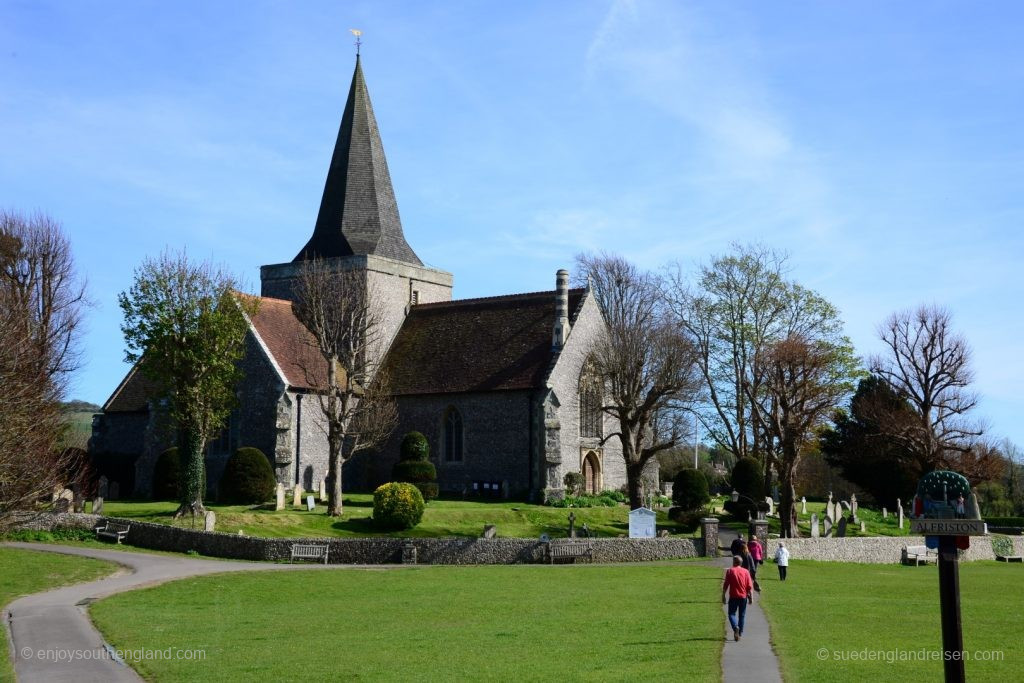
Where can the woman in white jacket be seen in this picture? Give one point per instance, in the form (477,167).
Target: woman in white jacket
(782,559)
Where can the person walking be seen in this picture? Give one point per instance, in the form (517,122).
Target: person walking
(748,563)
(736,547)
(782,559)
(756,550)
(738,589)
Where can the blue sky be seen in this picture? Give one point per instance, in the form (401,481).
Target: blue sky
(879,143)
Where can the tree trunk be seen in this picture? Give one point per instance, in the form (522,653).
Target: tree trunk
(787,496)
(334,508)
(635,484)
(193,476)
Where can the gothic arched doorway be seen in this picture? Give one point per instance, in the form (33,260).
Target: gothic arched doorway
(591,469)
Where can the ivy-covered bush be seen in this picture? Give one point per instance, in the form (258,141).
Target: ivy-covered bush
(397,505)
(414,467)
(166,474)
(574,482)
(690,490)
(248,478)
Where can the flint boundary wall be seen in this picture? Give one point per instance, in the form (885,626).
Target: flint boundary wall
(454,551)
(876,549)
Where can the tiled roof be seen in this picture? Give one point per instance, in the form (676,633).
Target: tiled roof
(132,394)
(290,344)
(491,344)
(358,211)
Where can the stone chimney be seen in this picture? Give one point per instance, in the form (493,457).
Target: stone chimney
(561,329)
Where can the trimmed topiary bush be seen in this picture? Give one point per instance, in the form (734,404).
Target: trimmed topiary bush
(166,474)
(574,482)
(690,490)
(248,478)
(415,447)
(397,505)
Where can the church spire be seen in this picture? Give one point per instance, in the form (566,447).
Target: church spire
(358,212)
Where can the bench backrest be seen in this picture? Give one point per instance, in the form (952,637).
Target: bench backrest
(117,526)
(917,549)
(308,550)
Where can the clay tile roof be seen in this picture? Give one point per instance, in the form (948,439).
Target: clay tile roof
(290,344)
(132,394)
(491,344)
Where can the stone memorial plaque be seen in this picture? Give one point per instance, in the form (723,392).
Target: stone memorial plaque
(641,523)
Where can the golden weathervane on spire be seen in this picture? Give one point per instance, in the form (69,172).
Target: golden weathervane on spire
(356,32)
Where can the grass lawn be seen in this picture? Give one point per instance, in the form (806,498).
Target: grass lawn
(430,623)
(861,609)
(24,571)
(441,518)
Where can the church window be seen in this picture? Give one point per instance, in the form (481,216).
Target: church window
(453,436)
(590,397)
(415,297)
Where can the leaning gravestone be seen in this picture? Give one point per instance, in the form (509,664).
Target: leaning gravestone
(803,505)
(279,503)
(815,531)
(310,505)
(210,521)
(297,496)
(103,490)
(842,528)
(828,527)
(97,505)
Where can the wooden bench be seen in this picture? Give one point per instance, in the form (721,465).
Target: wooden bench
(1009,558)
(308,551)
(918,554)
(115,531)
(570,551)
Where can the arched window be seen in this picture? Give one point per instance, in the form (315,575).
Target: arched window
(591,395)
(453,436)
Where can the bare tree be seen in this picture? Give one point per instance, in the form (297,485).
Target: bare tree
(345,321)
(928,364)
(645,362)
(40,307)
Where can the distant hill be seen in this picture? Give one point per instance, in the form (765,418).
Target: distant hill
(79,407)
(79,416)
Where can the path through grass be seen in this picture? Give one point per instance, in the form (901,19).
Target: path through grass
(430,623)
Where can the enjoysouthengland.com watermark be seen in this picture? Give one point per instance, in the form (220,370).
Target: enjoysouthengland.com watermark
(112,654)
(895,655)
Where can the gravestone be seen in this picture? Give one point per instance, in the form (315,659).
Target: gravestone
(803,505)
(771,504)
(901,516)
(815,531)
(490,531)
(323,490)
(310,505)
(57,490)
(845,507)
(842,527)
(663,533)
(97,505)
(885,513)
(77,499)
(863,527)
(828,527)
(853,504)
(115,490)
(103,490)
(64,500)
(210,521)
(279,502)
(297,496)
(641,523)
(572,525)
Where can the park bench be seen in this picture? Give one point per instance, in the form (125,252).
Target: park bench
(570,551)
(1009,558)
(115,531)
(918,554)
(309,551)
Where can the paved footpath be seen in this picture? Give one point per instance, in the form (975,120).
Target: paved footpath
(43,625)
(752,659)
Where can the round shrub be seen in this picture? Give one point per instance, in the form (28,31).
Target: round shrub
(574,482)
(166,474)
(415,447)
(420,473)
(397,505)
(248,478)
(690,490)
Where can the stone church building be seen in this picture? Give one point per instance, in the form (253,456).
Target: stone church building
(499,385)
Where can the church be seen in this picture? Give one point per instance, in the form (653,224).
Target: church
(500,386)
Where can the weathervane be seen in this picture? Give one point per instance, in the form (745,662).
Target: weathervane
(356,32)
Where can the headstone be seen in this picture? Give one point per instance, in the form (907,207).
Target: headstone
(490,531)
(863,527)
(901,516)
(829,497)
(853,504)
(310,505)
(663,533)
(771,504)
(828,527)
(803,505)
(815,531)
(572,525)
(323,490)
(97,505)
(115,490)
(297,496)
(885,513)
(845,507)
(103,484)
(279,503)
(641,523)
(211,521)
(77,499)
(64,500)
(842,527)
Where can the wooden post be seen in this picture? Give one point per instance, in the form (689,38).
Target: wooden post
(949,596)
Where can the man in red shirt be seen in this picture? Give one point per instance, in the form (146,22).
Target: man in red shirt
(739,588)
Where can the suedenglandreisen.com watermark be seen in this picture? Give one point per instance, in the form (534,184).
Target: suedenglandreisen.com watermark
(109,653)
(892,656)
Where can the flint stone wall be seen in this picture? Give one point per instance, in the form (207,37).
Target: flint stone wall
(876,549)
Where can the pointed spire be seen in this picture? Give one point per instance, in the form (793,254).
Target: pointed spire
(358,212)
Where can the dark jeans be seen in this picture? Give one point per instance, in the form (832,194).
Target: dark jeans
(737,605)
(782,572)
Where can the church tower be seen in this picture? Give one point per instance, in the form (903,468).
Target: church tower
(358,226)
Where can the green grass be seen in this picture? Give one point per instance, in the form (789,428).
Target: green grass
(889,609)
(441,518)
(24,571)
(430,623)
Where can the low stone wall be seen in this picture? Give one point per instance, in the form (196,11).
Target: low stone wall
(454,551)
(875,549)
